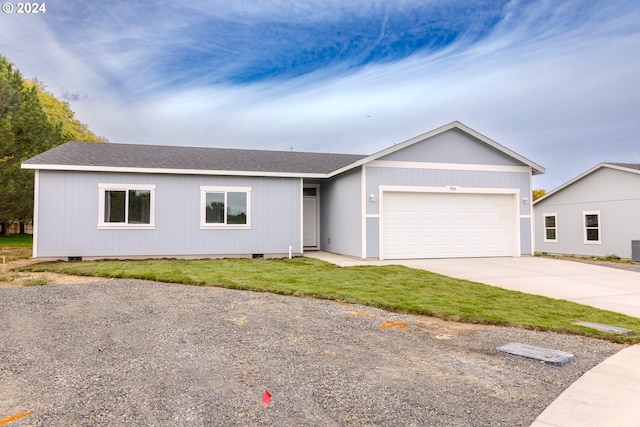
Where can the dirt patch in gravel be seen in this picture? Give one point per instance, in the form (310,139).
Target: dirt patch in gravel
(128,352)
(10,277)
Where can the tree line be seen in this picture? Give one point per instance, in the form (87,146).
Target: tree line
(32,121)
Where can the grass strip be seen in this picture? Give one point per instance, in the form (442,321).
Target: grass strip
(395,288)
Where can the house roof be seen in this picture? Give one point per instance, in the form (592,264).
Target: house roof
(625,167)
(536,168)
(197,160)
(110,157)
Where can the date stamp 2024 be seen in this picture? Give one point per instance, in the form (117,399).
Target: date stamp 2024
(24,8)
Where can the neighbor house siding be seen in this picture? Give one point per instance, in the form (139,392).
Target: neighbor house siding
(613,193)
(341,214)
(68,217)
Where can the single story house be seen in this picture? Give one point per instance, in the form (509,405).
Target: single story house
(594,214)
(450,192)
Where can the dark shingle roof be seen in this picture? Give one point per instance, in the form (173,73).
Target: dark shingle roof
(110,155)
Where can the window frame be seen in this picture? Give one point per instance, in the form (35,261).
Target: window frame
(553,215)
(585,228)
(104,187)
(204,225)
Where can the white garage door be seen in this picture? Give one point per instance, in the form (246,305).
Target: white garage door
(445,225)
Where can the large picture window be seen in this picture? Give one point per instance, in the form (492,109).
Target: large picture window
(550,227)
(591,227)
(225,207)
(126,206)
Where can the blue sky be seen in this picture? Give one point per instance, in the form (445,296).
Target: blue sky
(556,81)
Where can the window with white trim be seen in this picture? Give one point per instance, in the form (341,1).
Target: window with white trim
(126,206)
(591,227)
(551,227)
(225,207)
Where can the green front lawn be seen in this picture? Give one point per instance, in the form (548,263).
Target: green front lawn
(393,288)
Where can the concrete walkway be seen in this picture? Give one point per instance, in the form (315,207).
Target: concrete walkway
(609,394)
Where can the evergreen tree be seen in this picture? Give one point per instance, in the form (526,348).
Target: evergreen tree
(27,128)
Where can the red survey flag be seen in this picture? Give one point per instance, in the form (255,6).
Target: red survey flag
(266,397)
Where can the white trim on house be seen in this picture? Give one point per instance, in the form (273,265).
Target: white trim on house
(585,228)
(536,168)
(544,226)
(318,224)
(451,189)
(36,203)
(103,187)
(363,212)
(448,189)
(204,225)
(174,171)
(448,166)
(301,215)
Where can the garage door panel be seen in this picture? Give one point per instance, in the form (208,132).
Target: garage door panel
(442,225)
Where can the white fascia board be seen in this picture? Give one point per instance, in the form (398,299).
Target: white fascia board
(172,171)
(585,174)
(620,168)
(536,168)
(576,179)
(393,149)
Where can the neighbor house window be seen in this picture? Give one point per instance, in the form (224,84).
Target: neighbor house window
(126,206)
(550,227)
(591,227)
(225,207)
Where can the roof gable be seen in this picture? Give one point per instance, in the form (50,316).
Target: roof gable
(500,155)
(453,146)
(632,168)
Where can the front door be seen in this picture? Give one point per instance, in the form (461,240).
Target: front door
(310,222)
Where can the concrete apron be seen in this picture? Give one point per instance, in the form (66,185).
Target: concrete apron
(606,395)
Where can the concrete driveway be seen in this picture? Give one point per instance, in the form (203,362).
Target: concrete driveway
(597,286)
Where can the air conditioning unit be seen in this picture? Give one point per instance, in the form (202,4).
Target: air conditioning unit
(635,250)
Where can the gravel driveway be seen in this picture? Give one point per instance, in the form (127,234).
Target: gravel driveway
(127,352)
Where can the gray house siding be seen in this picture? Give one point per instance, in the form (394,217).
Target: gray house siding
(452,146)
(67,217)
(341,214)
(613,193)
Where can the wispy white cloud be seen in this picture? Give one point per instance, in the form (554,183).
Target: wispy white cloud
(553,81)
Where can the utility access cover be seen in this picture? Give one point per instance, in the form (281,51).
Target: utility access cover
(547,355)
(605,328)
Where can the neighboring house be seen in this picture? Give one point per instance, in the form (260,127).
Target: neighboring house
(597,213)
(451,192)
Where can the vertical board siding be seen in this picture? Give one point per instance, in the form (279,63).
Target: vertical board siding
(452,146)
(341,230)
(69,217)
(616,194)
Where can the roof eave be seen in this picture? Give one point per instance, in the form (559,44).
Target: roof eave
(172,171)
(536,169)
